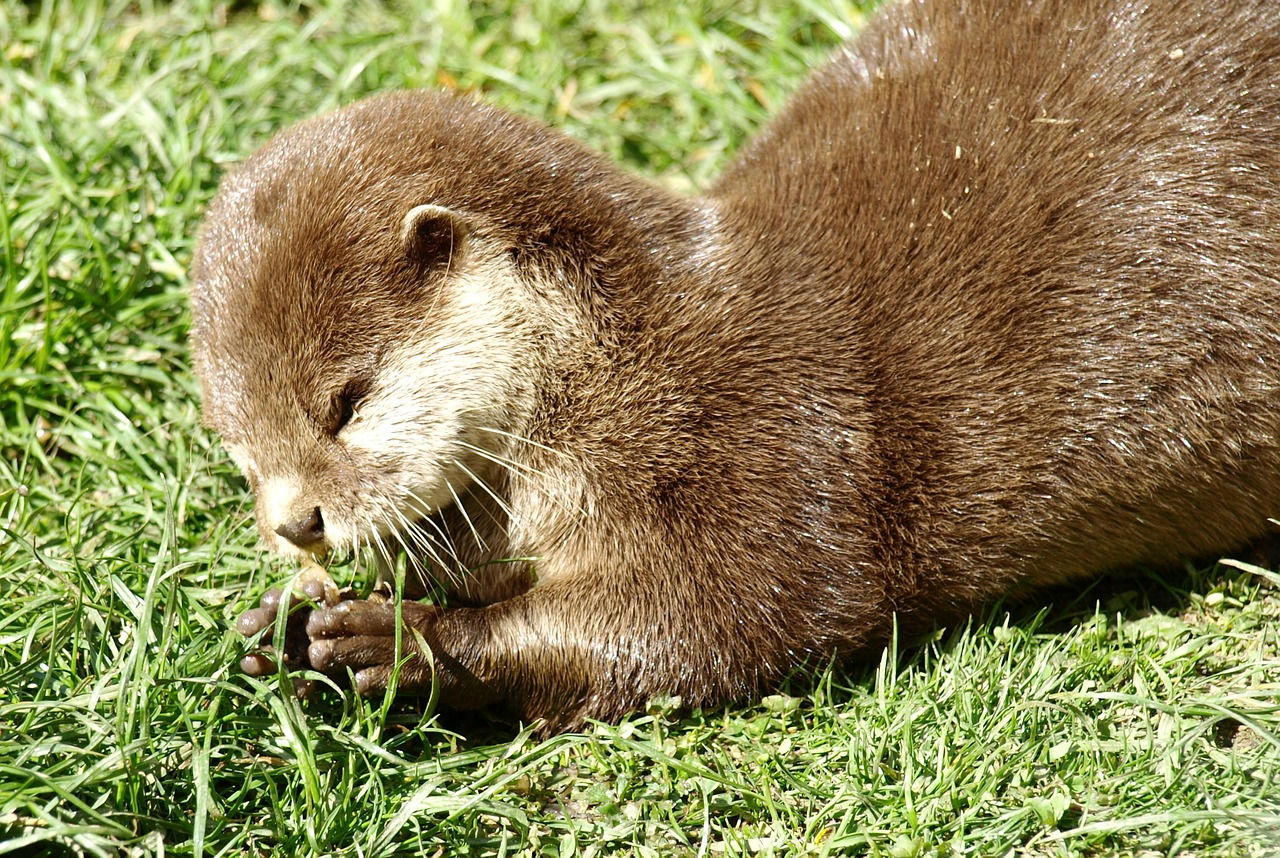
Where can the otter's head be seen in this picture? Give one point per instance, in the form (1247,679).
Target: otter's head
(366,344)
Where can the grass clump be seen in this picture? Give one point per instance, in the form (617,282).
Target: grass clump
(1141,718)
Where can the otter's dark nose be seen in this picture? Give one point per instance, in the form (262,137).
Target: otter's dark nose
(304,532)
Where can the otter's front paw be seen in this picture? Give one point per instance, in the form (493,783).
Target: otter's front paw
(263,619)
(360,636)
(311,592)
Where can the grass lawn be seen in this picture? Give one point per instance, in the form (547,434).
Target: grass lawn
(1140,716)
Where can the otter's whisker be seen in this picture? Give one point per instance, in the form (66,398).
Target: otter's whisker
(518,468)
(462,510)
(502,505)
(403,531)
(385,557)
(523,440)
(445,543)
(411,536)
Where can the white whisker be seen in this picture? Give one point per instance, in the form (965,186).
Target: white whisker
(462,510)
(523,440)
(502,505)
(517,468)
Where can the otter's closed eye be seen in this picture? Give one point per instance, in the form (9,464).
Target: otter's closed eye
(345,404)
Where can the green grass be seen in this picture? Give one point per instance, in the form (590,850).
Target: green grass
(1140,717)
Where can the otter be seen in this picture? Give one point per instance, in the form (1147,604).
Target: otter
(993,304)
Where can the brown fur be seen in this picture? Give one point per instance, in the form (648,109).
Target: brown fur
(991,305)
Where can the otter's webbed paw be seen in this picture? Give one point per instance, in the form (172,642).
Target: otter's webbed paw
(360,636)
(309,595)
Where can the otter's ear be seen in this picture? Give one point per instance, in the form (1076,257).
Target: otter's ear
(434,235)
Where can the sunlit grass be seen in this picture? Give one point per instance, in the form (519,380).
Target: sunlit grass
(1140,717)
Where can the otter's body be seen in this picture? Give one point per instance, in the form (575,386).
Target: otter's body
(993,304)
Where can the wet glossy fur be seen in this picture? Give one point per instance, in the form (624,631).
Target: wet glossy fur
(991,305)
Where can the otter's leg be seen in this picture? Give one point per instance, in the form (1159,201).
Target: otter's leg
(567,651)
